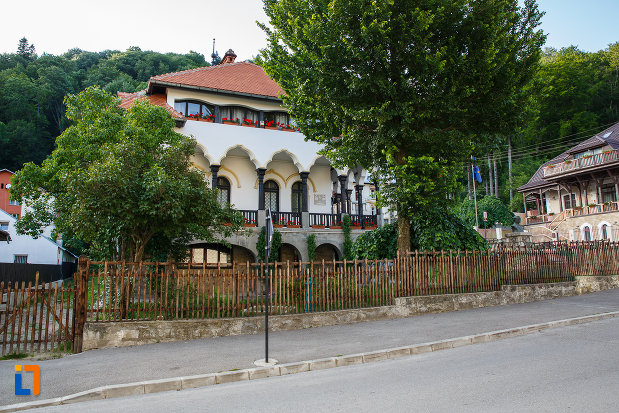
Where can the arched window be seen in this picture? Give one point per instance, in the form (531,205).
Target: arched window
(192,108)
(297,197)
(604,231)
(271,195)
(223,191)
(587,233)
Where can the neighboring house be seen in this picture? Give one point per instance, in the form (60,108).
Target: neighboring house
(10,207)
(258,160)
(51,260)
(574,195)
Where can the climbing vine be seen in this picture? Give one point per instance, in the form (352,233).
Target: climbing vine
(275,245)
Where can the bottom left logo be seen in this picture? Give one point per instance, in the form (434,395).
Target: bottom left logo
(36,370)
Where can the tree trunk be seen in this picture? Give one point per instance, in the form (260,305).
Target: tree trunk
(404,232)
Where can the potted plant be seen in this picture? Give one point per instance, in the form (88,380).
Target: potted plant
(207,118)
(230,121)
(370,227)
(279,223)
(338,226)
(270,124)
(250,222)
(287,127)
(293,224)
(318,226)
(248,123)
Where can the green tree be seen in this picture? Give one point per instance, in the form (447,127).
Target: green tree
(495,209)
(25,50)
(120,181)
(398,86)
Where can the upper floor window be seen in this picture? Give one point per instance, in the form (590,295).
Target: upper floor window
(234,112)
(608,193)
(190,108)
(20,259)
(276,118)
(4,226)
(13,202)
(569,201)
(588,153)
(223,191)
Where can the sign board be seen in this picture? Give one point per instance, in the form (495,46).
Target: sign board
(320,199)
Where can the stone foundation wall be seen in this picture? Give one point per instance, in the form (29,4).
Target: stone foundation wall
(129,333)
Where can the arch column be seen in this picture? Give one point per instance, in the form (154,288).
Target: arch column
(304,201)
(343,192)
(359,189)
(261,210)
(214,172)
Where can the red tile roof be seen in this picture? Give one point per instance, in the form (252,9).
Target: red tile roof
(242,77)
(127,99)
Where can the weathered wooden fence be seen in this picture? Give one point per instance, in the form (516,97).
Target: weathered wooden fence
(151,291)
(35,317)
(44,317)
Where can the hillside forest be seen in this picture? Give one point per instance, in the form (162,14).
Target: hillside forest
(574,95)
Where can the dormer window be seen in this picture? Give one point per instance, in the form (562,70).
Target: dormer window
(192,108)
(588,153)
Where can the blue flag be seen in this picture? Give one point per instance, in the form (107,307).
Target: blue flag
(476,173)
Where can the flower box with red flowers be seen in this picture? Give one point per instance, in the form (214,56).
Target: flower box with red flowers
(248,123)
(270,124)
(230,121)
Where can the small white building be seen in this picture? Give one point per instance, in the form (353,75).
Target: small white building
(252,152)
(23,249)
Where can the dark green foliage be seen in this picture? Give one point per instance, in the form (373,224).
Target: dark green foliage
(435,229)
(275,245)
(121,181)
(348,246)
(311,246)
(32,112)
(497,212)
(378,244)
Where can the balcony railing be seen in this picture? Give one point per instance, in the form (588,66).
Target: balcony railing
(251,217)
(574,212)
(572,165)
(294,220)
(325,220)
(287,219)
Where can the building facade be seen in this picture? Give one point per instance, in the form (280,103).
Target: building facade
(12,208)
(252,152)
(575,195)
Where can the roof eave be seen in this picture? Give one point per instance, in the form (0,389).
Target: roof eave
(151,83)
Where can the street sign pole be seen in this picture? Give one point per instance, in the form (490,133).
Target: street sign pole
(267,289)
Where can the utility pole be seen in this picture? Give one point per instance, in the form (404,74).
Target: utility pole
(490,180)
(496,176)
(470,187)
(509,167)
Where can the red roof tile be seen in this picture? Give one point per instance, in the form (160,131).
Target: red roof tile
(127,99)
(241,77)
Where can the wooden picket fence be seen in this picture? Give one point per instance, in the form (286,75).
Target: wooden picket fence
(44,317)
(36,318)
(171,291)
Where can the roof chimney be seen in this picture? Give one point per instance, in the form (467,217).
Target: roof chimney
(229,57)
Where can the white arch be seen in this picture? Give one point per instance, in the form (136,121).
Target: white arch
(582,231)
(252,157)
(205,153)
(608,228)
(293,157)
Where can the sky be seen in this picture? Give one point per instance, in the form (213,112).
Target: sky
(180,26)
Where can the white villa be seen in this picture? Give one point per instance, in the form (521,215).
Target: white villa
(574,195)
(255,156)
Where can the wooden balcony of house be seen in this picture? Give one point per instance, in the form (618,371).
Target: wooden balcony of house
(316,220)
(534,218)
(586,162)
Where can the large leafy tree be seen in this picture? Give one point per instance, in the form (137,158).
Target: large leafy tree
(121,181)
(403,86)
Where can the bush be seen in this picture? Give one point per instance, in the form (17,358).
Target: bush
(435,229)
(497,212)
(275,245)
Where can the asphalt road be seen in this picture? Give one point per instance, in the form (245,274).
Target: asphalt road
(95,368)
(572,368)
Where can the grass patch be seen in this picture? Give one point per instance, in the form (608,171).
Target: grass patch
(14,356)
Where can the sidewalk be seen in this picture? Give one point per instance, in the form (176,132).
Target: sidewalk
(96,368)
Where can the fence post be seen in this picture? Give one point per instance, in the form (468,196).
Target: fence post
(79,303)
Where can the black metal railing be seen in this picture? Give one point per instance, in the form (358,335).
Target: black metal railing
(286,218)
(251,216)
(326,220)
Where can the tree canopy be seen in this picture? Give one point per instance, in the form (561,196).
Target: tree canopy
(403,88)
(122,182)
(32,113)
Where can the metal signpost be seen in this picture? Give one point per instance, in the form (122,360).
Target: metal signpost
(267,289)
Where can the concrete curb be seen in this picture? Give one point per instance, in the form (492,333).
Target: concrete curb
(188,382)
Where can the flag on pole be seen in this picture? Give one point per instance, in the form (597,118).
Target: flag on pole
(476,173)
